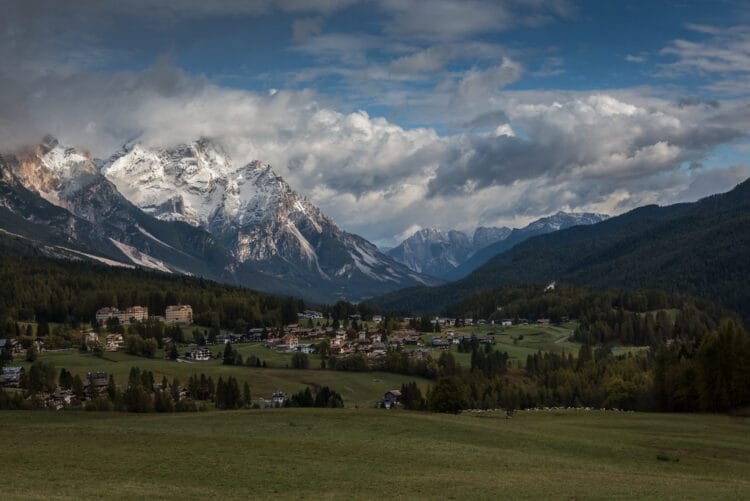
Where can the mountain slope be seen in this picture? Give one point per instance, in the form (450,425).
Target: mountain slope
(557,222)
(254,214)
(433,251)
(701,248)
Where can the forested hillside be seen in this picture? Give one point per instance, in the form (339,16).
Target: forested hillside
(702,249)
(38,288)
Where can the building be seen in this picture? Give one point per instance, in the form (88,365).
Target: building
(96,383)
(278,398)
(179,314)
(114,342)
(198,353)
(11,377)
(391,399)
(134,313)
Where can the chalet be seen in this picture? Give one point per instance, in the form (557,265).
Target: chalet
(543,321)
(179,314)
(377,318)
(96,383)
(90,337)
(362,337)
(377,349)
(391,399)
(114,342)
(376,338)
(198,353)
(11,377)
(506,322)
(291,340)
(486,340)
(413,340)
(254,335)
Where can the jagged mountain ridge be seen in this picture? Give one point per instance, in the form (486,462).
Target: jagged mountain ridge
(451,255)
(55,196)
(550,224)
(437,252)
(256,216)
(238,225)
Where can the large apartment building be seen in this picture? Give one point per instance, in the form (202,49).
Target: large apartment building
(134,313)
(179,314)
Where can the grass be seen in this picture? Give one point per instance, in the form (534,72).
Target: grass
(518,341)
(360,389)
(366,453)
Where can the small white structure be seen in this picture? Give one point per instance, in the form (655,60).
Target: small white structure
(198,353)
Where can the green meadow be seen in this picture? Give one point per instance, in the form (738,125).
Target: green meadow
(358,389)
(368,453)
(518,341)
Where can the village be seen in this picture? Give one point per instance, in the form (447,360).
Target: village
(369,340)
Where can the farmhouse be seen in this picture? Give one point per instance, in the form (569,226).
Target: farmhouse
(391,399)
(179,314)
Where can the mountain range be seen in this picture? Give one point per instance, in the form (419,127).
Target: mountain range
(700,248)
(452,255)
(189,210)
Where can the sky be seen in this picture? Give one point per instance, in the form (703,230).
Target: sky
(394,116)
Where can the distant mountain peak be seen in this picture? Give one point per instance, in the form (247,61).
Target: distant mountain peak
(450,254)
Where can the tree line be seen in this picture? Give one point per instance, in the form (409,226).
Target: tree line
(710,373)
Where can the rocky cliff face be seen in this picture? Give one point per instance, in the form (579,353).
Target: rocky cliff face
(256,215)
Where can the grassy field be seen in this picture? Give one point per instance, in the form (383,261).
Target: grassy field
(518,341)
(360,389)
(365,453)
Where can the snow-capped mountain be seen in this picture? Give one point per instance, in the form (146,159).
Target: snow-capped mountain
(452,254)
(56,195)
(433,251)
(437,252)
(255,215)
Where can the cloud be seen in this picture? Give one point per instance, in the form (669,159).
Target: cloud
(544,151)
(302,29)
(721,56)
(513,155)
(456,19)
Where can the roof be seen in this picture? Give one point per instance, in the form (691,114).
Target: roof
(395,393)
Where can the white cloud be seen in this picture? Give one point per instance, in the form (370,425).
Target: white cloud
(721,55)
